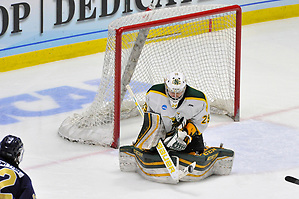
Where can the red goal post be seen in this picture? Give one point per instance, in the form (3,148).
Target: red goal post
(150,24)
(143,48)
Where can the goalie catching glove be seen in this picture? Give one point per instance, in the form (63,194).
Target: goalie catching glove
(178,141)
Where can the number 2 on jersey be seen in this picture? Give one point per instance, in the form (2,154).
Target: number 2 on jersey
(7,182)
(206,119)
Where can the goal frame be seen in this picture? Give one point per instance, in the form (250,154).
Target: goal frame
(118,49)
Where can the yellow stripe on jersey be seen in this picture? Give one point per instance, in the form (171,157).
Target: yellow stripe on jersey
(157,92)
(196,98)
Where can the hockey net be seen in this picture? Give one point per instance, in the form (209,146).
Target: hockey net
(203,42)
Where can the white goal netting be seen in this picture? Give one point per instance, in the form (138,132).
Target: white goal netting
(203,48)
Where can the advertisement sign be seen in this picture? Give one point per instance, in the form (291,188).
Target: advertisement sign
(31,25)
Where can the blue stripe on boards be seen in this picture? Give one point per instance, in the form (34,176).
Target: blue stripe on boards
(95,32)
(261,2)
(52,40)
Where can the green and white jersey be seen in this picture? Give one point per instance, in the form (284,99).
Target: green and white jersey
(193,106)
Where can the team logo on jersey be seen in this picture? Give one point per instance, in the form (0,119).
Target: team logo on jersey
(164,107)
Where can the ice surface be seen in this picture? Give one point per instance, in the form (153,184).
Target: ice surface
(265,141)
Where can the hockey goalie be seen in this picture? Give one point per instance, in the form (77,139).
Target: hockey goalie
(170,146)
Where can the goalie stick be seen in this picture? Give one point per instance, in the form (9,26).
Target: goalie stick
(175,173)
(292,179)
(160,147)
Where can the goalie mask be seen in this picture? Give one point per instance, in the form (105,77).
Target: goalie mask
(175,86)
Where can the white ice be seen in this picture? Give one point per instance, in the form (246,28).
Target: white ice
(265,141)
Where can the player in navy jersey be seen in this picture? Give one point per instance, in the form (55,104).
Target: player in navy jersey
(14,183)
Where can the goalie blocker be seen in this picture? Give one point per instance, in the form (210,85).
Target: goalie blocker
(143,158)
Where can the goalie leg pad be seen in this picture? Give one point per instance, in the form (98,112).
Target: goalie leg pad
(214,161)
(151,131)
(223,166)
(127,162)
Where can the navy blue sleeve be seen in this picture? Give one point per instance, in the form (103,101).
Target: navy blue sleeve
(27,188)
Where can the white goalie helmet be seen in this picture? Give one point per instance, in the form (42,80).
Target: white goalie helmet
(175,85)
